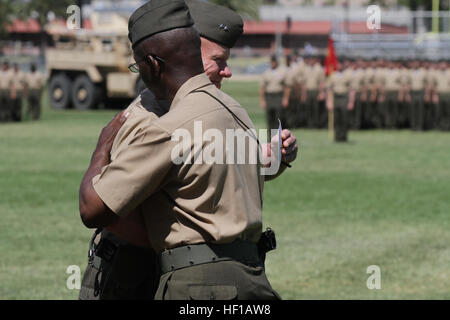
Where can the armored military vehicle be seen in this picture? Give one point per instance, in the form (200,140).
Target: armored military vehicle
(87,66)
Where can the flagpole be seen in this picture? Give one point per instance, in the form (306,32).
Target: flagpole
(331,115)
(331,66)
(435,22)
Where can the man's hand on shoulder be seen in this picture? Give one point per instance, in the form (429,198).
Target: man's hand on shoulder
(109,133)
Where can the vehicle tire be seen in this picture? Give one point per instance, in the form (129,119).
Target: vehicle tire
(59,91)
(85,94)
(140,86)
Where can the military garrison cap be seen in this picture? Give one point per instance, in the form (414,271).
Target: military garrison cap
(157,16)
(216,23)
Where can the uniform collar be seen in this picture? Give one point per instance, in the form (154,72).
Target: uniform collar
(192,84)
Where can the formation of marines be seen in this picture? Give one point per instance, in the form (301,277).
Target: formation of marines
(373,94)
(16,86)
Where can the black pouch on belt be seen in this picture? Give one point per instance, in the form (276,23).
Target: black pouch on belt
(267,242)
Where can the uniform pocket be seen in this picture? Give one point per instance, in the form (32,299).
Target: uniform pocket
(212,292)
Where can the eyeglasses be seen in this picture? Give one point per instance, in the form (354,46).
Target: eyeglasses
(134,67)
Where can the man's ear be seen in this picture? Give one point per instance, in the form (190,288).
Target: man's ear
(156,67)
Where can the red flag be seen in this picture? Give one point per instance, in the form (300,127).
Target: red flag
(331,61)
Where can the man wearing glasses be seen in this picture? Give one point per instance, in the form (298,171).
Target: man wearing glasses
(108,275)
(129,270)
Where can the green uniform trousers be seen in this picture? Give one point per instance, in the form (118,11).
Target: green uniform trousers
(323,114)
(34,104)
(292,113)
(312,112)
(340,117)
(444,111)
(222,280)
(119,271)
(417,110)
(389,109)
(5,105)
(274,110)
(16,107)
(403,115)
(356,115)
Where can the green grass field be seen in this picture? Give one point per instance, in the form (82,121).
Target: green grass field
(381,199)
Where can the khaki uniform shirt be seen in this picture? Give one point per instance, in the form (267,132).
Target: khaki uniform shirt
(34,80)
(6,79)
(291,75)
(356,79)
(392,79)
(417,79)
(379,77)
(370,77)
(300,76)
(184,203)
(295,78)
(18,81)
(404,77)
(443,80)
(273,81)
(315,75)
(430,79)
(339,82)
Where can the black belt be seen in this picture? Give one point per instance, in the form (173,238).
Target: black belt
(196,254)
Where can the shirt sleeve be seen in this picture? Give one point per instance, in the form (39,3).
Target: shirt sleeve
(290,78)
(138,171)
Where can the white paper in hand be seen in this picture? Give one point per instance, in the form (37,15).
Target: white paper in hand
(275,152)
(277,148)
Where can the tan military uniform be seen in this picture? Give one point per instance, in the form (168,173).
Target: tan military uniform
(18,82)
(273,84)
(314,79)
(389,107)
(443,89)
(6,78)
(187,203)
(378,106)
(140,180)
(34,82)
(418,83)
(356,86)
(431,108)
(17,88)
(339,83)
(294,98)
(297,80)
(132,272)
(403,116)
(273,81)
(371,112)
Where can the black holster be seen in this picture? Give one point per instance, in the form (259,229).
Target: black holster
(267,242)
